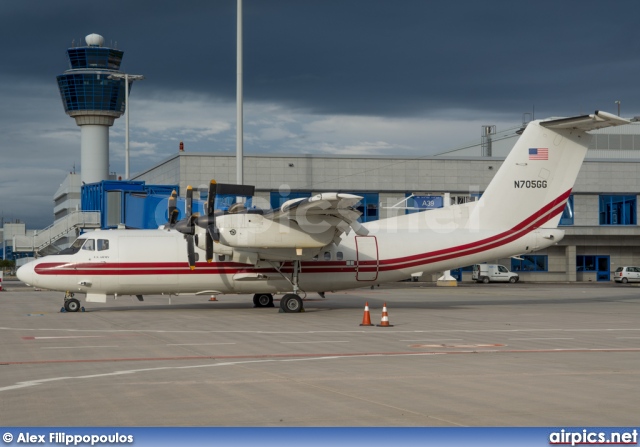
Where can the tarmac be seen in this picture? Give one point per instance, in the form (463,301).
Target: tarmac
(493,355)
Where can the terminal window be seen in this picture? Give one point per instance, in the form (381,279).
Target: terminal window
(530,263)
(617,210)
(368,206)
(586,263)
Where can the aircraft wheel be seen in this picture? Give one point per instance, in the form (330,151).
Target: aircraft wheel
(291,303)
(263,300)
(485,280)
(72,305)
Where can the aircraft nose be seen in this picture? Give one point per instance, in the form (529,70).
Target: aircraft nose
(26,273)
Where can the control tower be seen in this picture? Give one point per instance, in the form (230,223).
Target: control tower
(94,100)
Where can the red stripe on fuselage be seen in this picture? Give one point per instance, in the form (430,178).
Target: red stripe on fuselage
(534,221)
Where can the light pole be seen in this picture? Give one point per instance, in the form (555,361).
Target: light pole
(239,98)
(127,79)
(618,102)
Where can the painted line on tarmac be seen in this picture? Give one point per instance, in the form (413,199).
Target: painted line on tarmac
(272,358)
(198,344)
(543,338)
(323,355)
(64,336)
(36,337)
(434,339)
(77,347)
(31,383)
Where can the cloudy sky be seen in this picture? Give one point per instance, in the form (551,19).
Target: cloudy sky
(368,77)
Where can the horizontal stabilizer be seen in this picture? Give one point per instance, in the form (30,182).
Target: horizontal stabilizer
(597,120)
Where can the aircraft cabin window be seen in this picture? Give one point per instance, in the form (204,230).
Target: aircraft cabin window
(221,258)
(89,245)
(339,256)
(103,244)
(327,256)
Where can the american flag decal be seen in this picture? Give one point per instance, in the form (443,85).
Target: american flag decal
(538,153)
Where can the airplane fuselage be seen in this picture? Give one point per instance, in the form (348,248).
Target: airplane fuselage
(139,262)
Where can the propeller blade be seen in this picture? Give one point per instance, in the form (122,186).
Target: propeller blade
(188,203)
(213,233)
(211,198)
(191,252)
(212,230)
(209,247)
(173,208)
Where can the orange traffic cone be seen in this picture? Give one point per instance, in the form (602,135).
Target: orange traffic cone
(366,318)
(385,318)
(213,298)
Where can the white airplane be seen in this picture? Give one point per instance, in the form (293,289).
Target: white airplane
(307,245)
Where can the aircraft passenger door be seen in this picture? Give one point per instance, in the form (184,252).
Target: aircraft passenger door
(366,258)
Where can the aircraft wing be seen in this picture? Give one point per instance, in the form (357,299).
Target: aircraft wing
(335,209)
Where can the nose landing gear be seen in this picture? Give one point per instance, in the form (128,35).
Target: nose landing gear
(71,304)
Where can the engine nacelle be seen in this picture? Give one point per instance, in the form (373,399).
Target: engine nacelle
(256,231)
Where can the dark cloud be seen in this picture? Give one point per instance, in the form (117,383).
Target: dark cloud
(376,57)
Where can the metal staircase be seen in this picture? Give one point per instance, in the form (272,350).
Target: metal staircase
(42,241)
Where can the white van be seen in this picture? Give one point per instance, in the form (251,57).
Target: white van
(627,274)
(493,272)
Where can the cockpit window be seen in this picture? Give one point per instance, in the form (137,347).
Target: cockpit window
(90,245)
(75,247)
(103,244)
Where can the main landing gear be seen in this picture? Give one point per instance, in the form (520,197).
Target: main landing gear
(71,304)
(263,300)
(291,302)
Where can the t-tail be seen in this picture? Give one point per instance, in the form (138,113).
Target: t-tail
(532,186)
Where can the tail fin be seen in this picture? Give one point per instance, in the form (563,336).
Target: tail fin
(536,178)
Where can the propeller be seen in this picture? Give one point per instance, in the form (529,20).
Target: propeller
(208,222)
